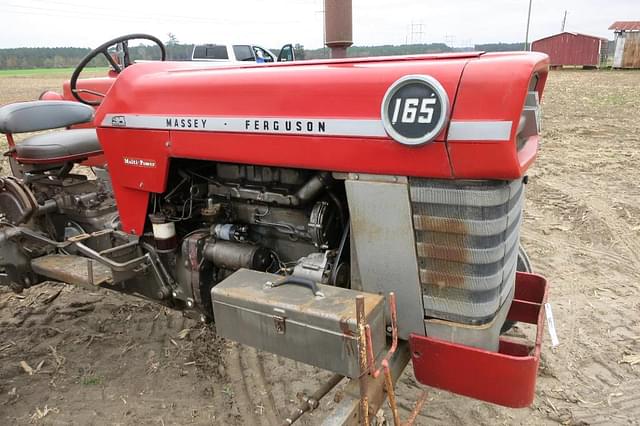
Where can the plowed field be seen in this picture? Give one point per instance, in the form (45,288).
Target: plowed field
(97,357)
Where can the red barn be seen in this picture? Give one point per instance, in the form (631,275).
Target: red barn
(572,49)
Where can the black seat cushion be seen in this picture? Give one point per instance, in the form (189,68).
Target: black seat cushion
(32,116)
(56,147)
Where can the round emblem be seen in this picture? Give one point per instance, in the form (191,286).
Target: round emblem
(415,109)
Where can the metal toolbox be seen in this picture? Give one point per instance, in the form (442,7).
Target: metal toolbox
(316,325)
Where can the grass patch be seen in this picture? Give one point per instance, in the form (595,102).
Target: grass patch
(43,72)
(92,380)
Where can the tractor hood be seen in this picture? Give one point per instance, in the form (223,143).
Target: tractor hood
(330,115)
(349,89)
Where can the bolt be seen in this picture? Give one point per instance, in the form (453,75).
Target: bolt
(141,185)
(189,303)
(356,177)
(167,144)
(203,318)
(174,294)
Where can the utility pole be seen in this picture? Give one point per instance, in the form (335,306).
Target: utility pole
(564,21)
(526,39)
(419,32)
(450,40)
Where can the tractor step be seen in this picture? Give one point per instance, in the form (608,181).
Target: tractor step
(72,269)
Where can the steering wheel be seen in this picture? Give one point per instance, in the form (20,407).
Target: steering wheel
(103,49)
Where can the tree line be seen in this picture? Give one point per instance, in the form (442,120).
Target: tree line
(65,57)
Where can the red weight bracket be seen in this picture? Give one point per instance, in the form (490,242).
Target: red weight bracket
(506,377)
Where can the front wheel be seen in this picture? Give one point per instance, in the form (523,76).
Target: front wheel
(524,265)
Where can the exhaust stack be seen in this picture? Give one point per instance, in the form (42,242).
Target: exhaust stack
(338,27)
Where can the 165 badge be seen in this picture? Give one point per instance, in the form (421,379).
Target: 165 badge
(415,109)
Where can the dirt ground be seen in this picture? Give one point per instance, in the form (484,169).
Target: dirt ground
(96,357)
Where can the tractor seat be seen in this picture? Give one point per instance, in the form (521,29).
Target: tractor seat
(58,147)
(51,147)
(22,117)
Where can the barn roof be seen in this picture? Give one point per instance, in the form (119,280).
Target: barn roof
(572,33)
(625,26)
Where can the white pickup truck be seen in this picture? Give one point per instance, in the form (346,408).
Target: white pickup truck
(228,52)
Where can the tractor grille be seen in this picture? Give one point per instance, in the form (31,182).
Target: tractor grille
(467,236)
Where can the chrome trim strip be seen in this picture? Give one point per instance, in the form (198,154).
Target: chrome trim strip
(481,130)
(263,125)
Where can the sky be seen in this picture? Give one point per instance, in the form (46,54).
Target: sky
(272,23)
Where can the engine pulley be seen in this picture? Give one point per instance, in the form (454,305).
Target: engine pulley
(324,225)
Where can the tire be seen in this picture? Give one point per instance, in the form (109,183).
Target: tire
(523,265)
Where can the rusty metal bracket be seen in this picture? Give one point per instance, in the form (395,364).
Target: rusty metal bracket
(384,365)
(416,410)
(394,340)
(309,404)
(362,357)
(346,413)
(371,386)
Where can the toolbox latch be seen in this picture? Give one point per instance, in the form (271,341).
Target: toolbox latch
(279,323)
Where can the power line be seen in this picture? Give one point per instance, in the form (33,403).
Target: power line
(87,12)
(110,9)
(40,11)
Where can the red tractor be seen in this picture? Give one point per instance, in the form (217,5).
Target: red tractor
(344,213)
